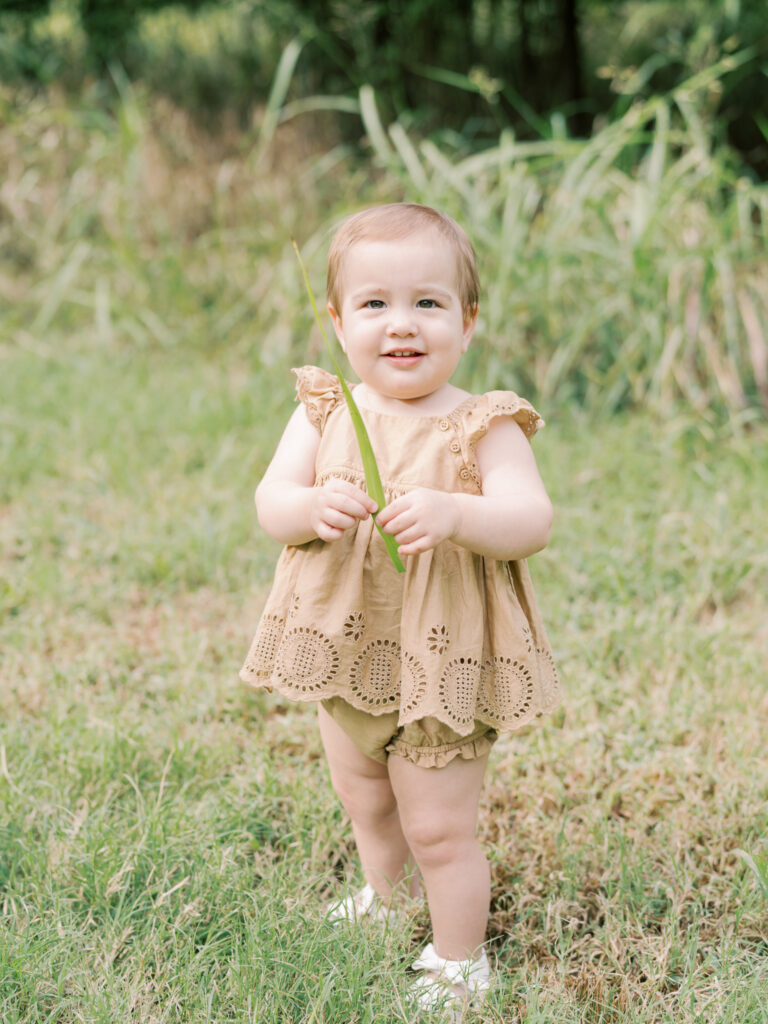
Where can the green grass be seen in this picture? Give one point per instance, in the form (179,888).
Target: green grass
(168,838)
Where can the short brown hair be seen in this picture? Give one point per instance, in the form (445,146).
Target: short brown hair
(398,220)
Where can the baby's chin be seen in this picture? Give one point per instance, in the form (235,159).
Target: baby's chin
(409,394)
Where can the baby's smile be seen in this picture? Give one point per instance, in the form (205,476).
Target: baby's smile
(404,356)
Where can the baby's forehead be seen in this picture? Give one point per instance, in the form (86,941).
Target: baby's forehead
(387,254)
(420,233)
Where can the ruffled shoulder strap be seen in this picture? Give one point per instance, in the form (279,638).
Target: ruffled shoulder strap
(502,403)
(478,415)
(320,392)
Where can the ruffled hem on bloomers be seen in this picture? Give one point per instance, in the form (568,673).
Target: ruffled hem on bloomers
(439,757)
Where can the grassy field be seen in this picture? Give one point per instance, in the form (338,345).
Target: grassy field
(167,837)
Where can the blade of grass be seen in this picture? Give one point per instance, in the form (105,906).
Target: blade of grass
(56,292)
(277,94)
(372,477)
(374,128)
(313,104)
(410,158)
(658,154)
(758,865)
(758,350)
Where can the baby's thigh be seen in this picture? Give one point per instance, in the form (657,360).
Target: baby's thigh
(355,749)
(437,777)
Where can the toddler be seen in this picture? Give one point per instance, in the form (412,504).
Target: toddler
(414,674)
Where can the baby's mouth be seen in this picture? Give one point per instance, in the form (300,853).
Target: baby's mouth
(403,354)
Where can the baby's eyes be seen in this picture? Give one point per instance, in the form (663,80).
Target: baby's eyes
(381,304)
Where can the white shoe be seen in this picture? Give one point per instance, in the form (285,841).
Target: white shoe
(367,904)
(450,985)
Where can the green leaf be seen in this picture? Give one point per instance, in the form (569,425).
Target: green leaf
(758,865)
(372,477)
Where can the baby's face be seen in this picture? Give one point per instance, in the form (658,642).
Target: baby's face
(401,321)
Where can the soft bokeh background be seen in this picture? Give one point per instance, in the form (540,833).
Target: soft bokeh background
(167,837)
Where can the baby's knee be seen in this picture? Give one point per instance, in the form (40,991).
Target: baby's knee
(438,840)
(365,800)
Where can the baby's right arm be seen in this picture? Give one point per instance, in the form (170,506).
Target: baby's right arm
(290,508)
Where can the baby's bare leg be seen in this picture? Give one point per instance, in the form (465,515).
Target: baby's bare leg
(438,813)
(364,789)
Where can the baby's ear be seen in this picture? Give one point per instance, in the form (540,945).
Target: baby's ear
(336,324)
(470,322)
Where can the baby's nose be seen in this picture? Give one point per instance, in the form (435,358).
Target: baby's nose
(400,324)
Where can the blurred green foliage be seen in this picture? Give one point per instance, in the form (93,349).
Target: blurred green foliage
(489,64)
(620,272)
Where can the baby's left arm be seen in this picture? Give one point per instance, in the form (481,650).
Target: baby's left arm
(510,520)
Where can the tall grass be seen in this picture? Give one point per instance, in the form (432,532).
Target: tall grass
(621,271)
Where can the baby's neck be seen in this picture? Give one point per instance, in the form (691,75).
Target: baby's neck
(437,403)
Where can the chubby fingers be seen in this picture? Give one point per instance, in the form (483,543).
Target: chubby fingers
(392,516)
(420,519)
(338,506)
(401,520)
(351,497)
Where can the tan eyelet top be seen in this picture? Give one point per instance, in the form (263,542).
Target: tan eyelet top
(457,637)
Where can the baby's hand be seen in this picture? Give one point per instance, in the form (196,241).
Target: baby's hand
(336,506)
(420,519)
